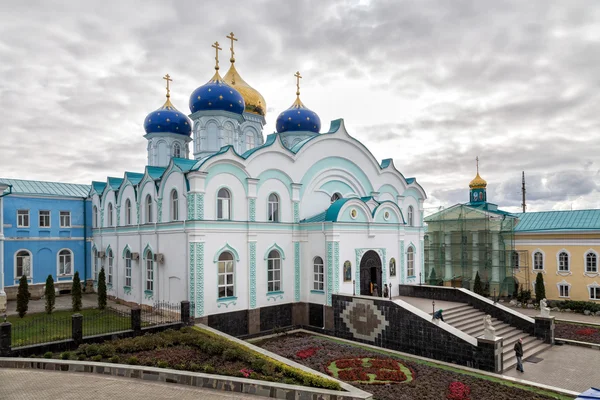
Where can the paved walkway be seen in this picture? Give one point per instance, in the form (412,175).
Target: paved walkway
(426,304)
(63,302)
(592,319)
(569,367)
(35,385)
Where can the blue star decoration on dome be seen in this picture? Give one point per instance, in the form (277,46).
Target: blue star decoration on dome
(298,117)
(217,95)
(168,119)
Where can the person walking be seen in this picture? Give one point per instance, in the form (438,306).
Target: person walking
(438,315)
(519,354)
(385,291)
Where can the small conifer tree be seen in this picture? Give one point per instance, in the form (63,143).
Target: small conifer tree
(432,277)
(76,293)
(49,294)
(102,290)
(540,289)
(23,296)
(477,288)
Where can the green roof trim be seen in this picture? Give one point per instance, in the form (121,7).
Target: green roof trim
(44,188)
(114,183)
(134,177)
(544,221)
(184,164)
(155,172)
(99,187)
(332,213)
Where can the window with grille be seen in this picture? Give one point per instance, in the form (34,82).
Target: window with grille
(226,271)
(44,219)
(319,275)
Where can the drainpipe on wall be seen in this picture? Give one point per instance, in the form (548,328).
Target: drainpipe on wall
(85,254)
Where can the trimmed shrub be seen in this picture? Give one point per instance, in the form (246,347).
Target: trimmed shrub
(133,361)
(102,289)
(114,359)
(48,354)
(540,289)
(81,357)
(97,358)
(162,364)
(65,355)
(49,294)
(76,293)
(23,297)
(477,288)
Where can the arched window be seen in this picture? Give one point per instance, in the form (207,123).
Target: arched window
(274,271)
(127,212)
(228,135)
(563,262)
(538,261)
(149,271)
(110,258)
(249,140)
(128,268)
(273,208)
(226,273)
(319,275)
(176,150)
(410,261)
(223,204)
(148,209)
(97,264)
(65,262)
(515,259)
(95,217)
(335,197)
(23,264)
(174,206)
(411,221)
(110,214)
(591,262)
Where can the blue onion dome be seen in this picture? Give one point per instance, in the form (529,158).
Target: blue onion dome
(168,119)
(217,95)
(298,117)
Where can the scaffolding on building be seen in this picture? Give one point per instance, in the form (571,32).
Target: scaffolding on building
(466,239)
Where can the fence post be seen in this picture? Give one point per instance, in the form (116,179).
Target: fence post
(136,321)
(5,338)
(77,328)
(185,312)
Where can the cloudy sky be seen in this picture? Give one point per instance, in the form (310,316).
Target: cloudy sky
(432,84)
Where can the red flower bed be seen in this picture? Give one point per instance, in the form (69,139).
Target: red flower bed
(387,375)
(306,353)
(349,363)
(353,375)
(586,331)
(385,364)
(458,391)
(575,331)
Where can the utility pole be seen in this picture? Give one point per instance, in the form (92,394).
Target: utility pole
(523,192)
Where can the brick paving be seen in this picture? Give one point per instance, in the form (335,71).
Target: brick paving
(36,385)
(568,367)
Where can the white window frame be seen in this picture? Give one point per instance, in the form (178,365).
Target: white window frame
(176,150)
(127,268)
(97,264)
(560,286)
(594,288)
(588,253)
(560,271)
(65,219)
(110,218)
(149,264)
(249,140)
(40,216)
(274,281)
(222,265)
(533,260)
(273,208)
(318,274)
(224,204)
(515,256)
(411,216)
(228,135)
(410,261)
(95,217)
(128,212)
(30,266)
(110,261)
(174,205)
(23,219)
(148,208)
(64,257)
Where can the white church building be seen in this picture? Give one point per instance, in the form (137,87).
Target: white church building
(255,233)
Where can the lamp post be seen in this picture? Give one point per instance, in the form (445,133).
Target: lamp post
(420,273)
(494,295)
(433,306)
(353,288)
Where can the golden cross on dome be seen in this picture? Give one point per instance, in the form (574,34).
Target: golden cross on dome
(233,39)
(477,162)
(298,77)
(168,79)
(217,48)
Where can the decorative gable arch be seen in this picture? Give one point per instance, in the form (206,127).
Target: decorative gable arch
(229,249)
(274,246)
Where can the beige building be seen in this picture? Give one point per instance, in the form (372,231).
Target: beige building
(565,247)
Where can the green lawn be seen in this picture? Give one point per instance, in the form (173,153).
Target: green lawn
(41,327)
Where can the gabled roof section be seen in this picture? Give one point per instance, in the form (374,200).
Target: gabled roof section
(484,208)
(134,177)
(98,187)
(410,180)
(44,188)
(184,164)
(114,183)
(558,221)
(270,140)
(155,172)
(332,213)
(489,207)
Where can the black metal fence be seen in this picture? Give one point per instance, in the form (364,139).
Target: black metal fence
(106,321)
(161,313)
(47,328)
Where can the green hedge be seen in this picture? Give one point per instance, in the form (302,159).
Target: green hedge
(577,306)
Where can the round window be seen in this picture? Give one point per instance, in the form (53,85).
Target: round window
(353,213)
(386,215)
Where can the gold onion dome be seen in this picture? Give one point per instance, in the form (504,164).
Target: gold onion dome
(478,182)
(255,103)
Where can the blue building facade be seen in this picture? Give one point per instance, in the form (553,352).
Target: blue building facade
(46,231)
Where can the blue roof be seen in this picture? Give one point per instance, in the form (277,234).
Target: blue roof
(20,186)
(558,220)
(332,213)
(168,119)
(155,172)
(99,186)
(216,94)
(114,183)
(184,164)
(489,207)
(134,177)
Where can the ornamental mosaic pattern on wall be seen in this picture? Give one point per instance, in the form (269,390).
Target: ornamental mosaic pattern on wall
(364,320)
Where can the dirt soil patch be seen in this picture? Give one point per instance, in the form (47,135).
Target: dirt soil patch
(428,382)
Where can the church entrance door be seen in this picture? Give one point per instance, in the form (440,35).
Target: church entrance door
(370,272)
